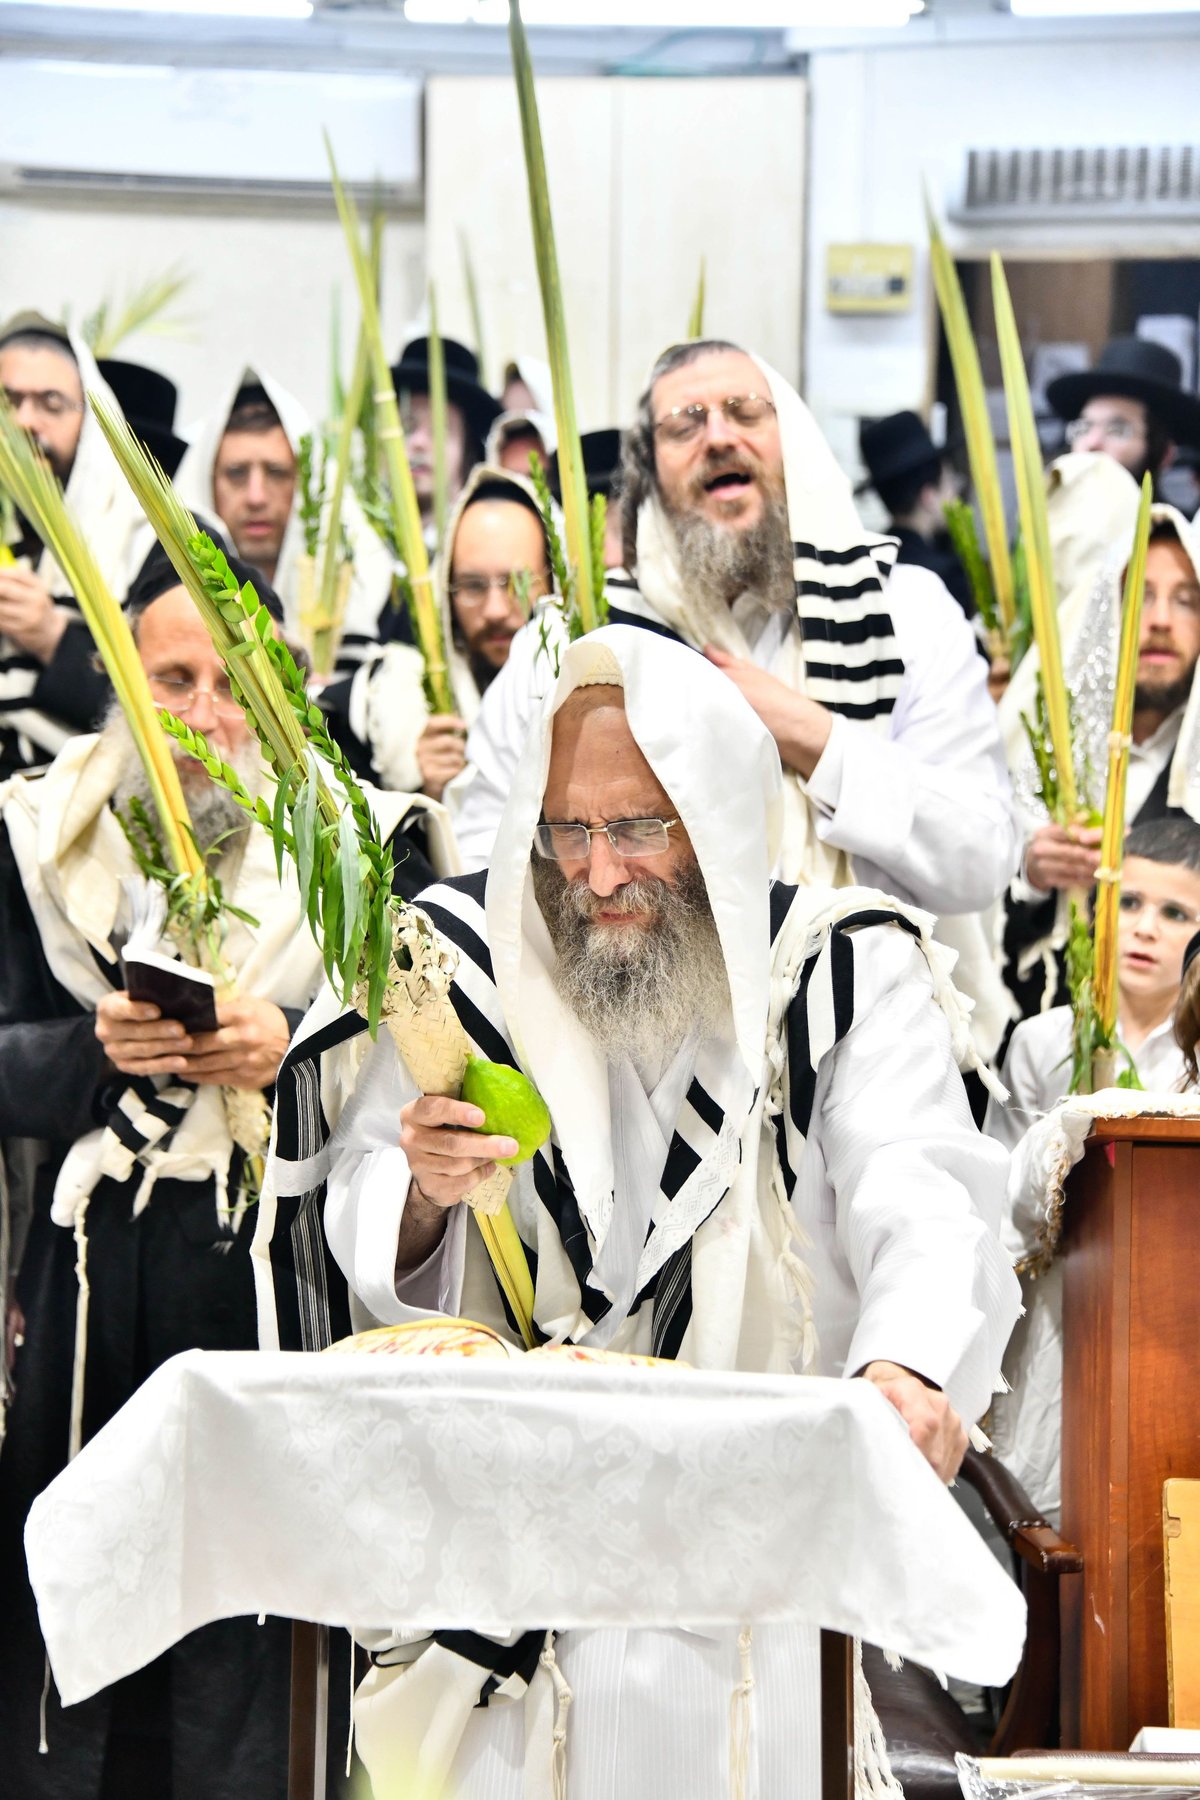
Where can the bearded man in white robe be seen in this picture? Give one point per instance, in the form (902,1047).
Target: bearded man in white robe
(761,1159)
(742,540)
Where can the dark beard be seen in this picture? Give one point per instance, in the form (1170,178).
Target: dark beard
(1162,700)
(638,992)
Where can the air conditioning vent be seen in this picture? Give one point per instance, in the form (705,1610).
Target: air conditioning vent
(1130,181)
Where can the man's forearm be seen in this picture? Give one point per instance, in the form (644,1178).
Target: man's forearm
(421,1230)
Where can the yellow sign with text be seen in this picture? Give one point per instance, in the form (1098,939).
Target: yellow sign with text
(869,278)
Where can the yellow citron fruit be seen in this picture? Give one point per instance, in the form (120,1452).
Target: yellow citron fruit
(511,1106)
(7,559)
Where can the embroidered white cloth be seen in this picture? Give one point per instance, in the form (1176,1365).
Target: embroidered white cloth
(497,1497)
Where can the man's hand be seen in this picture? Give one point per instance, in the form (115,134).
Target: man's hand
(933,1424)
(441,753)
(245,1051)
(1058,857)
(799,726)
(28,615)
(446,1157)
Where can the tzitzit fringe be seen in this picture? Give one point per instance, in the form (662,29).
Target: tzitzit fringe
(873,1778)
(562,1706)
(739,1719)
(82,1299)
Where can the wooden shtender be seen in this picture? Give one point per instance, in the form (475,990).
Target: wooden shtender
(1181,1548)
(1131,1253)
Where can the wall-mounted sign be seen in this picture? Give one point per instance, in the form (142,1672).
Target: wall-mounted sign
(868,278)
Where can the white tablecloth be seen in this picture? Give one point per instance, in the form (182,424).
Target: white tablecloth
(381,1493)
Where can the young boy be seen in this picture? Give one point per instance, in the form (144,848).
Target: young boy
(1159,913)
(1159,916)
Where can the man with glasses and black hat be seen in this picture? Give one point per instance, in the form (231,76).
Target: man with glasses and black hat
(1132,406)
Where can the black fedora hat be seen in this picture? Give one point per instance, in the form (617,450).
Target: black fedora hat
(463,386)
(1137,369)
(601,463)
(894,447)
(148,401)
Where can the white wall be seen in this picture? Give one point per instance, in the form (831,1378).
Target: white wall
(646,177)
(883,120)
(260,288)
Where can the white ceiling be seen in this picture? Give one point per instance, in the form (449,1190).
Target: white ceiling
(347,34)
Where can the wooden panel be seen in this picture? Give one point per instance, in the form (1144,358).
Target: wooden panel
(1131,1249)
(1164,1433)
(837,1716)
(1142,1131)
(1181,1547)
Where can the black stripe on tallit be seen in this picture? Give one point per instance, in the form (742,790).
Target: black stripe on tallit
(874,671)
(848,631)
(480,1029)
(672,1304)
(557,1195)
(461,935)
(680,1163)
(703,1104)
(310,1049)
(848,709)
(618,616)
(502,1661)
(831,559)
(832,590)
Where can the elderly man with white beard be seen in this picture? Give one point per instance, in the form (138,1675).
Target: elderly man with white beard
(742,540)
(761,1159)
(144,1192)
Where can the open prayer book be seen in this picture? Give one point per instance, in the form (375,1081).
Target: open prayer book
(462,1337)
(152,975)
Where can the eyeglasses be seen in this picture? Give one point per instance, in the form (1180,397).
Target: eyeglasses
(181,696)
(49,402)
(631,839)
(275,475)
(518,584)
(1114,431)
(683,424)
(1169,912)
(1184,600)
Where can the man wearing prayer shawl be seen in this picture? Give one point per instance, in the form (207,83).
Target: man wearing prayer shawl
(242,469)
(761,1159)
(50,686)
(142,1211)
(493,570)
(742,540)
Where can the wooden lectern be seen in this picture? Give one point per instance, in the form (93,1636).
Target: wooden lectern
(1131,1412)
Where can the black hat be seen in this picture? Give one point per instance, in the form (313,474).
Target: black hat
(157,576)
(601,463)
(894,447)
(463,386)
(148,401)
(1139,369)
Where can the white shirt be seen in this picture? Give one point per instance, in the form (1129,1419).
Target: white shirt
(922,804)
(1037,1071)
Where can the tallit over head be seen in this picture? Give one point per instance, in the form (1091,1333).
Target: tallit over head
(719,765)
(1091,637)
(98,496)
(372,577)
(845,655)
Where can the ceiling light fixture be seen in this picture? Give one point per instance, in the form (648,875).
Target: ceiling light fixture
(240,9)
(679,15)
(1095,9)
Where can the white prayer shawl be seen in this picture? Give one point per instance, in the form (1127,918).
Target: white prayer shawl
(103,506)
(72,856)
(388,708)
(721,1280)
(371,581)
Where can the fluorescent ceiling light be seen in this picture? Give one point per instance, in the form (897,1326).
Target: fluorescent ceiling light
(240,9)
(678,15)
(1094,9)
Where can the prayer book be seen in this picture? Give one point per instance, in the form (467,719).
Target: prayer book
(155,977)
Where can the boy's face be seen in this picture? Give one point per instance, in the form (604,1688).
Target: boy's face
(1159,912)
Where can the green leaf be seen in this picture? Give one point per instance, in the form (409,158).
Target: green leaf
(304,820)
